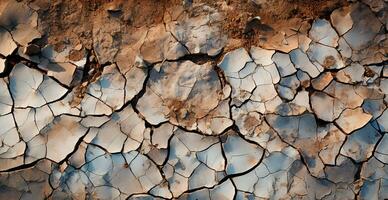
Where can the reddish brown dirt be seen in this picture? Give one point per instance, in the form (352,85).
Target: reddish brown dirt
(274,13)
(71,21)
(68,21)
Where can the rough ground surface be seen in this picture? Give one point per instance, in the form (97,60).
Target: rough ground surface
(258,99)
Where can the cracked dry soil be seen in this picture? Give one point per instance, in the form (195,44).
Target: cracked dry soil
(255,99)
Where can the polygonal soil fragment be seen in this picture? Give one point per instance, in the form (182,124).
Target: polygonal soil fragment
(240,155)
(62,136)
(194,161)
(351,120)
(124,132)
(193,100)
(31,183)
(322,32)
(360,144)
(178,87)
(8,45)
(373,172)
(301,61)
(364,28)
(118,174)
(328,105)
(30,88)
(318,145)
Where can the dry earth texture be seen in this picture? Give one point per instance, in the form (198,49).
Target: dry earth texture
(207,99)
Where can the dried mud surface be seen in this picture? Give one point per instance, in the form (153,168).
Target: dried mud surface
(193,99)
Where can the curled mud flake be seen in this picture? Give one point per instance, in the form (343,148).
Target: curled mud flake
(341,19)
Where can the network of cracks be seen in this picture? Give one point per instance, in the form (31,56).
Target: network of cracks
(164,112)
